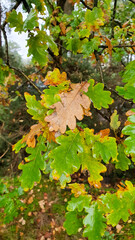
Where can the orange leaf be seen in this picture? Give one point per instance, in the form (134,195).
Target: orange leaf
(30,200)
(104,132)
(71,107)
(63,28)
(30,137)
(129,113)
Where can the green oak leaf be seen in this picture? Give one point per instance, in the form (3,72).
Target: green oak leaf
(66,160)
(114,124)
(94,166)
(40,5)
(35,108)
(74,44)
(94,222)
(38,48)
(106,148)
(128,91)
(130,145)
(63,180)
(73,223)
(123,161)
(31,21)
(4,72)
(17,147)
(79,203)
(94,17)
(52,44)
(130,130)
(99,97)
(51,96)
(35,162)
(118,205)
(15,20)
(89,47)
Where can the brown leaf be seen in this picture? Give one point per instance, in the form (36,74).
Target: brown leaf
(72,106)
(63,28)
(30,200)
(30,137)
(130,113)
(109,44)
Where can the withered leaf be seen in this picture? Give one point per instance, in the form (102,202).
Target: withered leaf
(30,137)
(73,105)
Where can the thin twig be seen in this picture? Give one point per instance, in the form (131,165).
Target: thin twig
(27,78)
(115,92)
(85,5)
(4,153)
(4,139)
(99,66)
(102,115)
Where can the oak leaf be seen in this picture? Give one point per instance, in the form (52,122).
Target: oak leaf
(55,78)
(72,106)
(30,137)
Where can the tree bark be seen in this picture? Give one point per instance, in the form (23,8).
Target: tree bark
(0,25)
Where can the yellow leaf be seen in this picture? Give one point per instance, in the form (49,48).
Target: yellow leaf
(77,189)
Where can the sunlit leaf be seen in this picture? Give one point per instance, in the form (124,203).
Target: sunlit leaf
(98,96)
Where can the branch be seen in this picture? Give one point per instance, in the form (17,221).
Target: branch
(102,115)
(28,79)
(6,45)
(115,92)
(95,3)
(113,17)
(4,153)
(85,5)
(14,7)
(133,1)
(99,65)
(116,46)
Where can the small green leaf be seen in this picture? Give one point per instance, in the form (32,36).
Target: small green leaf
(94,166)
(66,160)
(119,205)
(99,97)
(94,222)
(89,47)
(79,203)
(38,48)
(123,161)
(51,96)
(128,91)
(114,124)
(15,20)
(35,108)
(130,130)
(17,147)
(31,21)
(35,163)
(106,148)
(72,223)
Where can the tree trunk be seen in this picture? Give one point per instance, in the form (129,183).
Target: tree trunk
(0,25)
